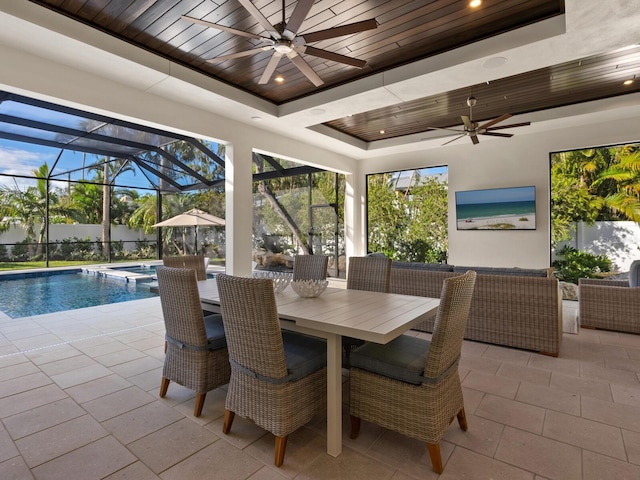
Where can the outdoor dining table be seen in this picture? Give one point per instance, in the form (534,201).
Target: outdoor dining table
(371,316)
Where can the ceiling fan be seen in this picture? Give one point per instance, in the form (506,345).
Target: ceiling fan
(472,129)
(283,40)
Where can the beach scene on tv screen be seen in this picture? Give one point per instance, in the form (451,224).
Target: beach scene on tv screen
(497,209)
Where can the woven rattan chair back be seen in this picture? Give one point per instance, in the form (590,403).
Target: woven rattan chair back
(251,324)
(189,360)
(372,274)
(310,267)
(183,318)
(193,262)
(423,411)
(261,387)
(450,324)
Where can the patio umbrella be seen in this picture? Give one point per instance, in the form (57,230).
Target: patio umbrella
(192,218)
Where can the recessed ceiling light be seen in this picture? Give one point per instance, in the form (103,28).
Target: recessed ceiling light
(494,62)
(629,81)
(256,119)
(382,132)
(317,111)
(279,79)
(475,3)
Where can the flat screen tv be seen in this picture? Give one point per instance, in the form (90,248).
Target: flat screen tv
(497,209)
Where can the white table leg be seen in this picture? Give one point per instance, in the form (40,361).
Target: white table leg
(334,394)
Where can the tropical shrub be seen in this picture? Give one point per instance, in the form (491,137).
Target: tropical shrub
(576,264)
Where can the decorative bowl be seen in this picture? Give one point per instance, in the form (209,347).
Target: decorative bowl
(280,279)
(309,288)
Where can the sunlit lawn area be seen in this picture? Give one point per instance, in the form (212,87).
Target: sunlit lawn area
(55,263)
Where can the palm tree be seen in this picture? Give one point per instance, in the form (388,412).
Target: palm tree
(625,172)
(28,207)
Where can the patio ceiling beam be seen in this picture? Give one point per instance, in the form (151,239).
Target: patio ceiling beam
(287,172)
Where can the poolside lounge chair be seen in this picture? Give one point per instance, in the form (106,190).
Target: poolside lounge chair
(197,356)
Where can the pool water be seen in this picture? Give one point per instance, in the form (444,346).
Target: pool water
(33,294)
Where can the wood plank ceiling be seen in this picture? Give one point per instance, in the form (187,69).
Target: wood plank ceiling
(407,31)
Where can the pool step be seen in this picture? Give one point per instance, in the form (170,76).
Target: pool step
(103,271)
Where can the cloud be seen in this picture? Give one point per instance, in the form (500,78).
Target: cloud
(17,161)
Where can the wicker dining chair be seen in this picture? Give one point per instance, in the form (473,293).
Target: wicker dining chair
(310,267)
(278,378)
(411,385)
(194,262)
(196,352)
(373,274)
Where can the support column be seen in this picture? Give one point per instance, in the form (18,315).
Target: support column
(355,215)
(239,209)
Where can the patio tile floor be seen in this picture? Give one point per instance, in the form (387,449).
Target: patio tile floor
(79,400)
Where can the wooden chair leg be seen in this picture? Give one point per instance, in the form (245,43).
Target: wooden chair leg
(197,409)
(355,426)
(281,445)
(436,459)
(228,421)
(462,420)
(164,386)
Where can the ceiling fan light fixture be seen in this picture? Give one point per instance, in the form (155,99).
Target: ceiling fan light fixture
(283,47)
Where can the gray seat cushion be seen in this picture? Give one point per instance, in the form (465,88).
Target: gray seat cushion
(303,354)
(403,358)
(215,332)
(634,274)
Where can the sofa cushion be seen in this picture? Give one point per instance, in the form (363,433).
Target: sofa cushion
(440,267)
(518,272)
(634,274)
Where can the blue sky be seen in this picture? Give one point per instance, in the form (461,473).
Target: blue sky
(514,194)
(18,158)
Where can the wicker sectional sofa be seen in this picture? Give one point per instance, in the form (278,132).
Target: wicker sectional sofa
(519,308)
(609,304)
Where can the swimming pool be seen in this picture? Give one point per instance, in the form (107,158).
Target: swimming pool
(26,294)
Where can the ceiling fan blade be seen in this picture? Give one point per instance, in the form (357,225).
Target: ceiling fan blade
(335,57)
(496,120)
(306,69)
(511,125)
(467,122)
(453,140)
(496,134)
(262,20)
(271,67)
(356,27)
(297,17)
(442,128)
(244,53)
(221,27)
(474,138)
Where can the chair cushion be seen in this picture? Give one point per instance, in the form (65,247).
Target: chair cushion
(403,358)
(215,332)
(303,354)
(634,274)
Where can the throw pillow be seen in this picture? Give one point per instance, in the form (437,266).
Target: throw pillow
(634,274)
